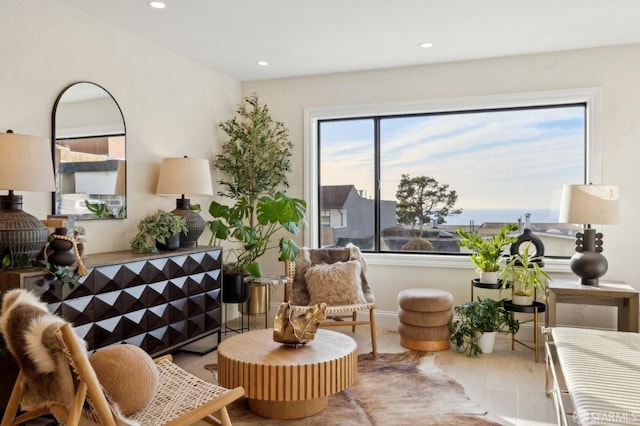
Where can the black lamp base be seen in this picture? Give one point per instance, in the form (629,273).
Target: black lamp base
(588,263)
(589,266)
(195,223)
(20,232)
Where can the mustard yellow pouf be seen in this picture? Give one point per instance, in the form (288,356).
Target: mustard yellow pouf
(425,315)
(128,375)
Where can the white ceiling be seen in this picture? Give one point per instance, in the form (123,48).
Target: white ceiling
(305,37)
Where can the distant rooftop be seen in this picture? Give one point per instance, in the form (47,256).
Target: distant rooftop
(334,196)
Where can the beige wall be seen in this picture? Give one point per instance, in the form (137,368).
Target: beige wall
(615,70)
(171,105)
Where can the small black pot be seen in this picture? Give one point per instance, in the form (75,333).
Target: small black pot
(234,287)
(173,243)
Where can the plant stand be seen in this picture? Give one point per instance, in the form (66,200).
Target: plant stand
(235,290)
(226,320)
(258,301)
(475,283)
(535,309)
(265,285)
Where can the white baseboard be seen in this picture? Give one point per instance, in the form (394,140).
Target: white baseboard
(389,320)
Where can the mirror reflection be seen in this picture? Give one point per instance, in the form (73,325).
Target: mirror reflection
(89,149)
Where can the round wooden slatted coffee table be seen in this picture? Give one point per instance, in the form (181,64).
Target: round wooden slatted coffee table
(285,382)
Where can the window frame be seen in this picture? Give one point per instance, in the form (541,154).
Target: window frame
(312,116)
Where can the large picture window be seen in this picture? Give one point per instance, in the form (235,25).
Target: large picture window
(403,183)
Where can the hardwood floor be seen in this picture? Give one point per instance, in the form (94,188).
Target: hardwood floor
(509,385)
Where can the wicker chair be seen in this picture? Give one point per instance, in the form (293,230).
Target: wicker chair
(337,315)
(180,399)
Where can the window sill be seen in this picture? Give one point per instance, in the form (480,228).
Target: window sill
(444,261)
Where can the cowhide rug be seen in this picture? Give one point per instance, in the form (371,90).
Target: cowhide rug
(395,389)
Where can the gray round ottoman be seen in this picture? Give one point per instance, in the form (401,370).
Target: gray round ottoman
(425,314)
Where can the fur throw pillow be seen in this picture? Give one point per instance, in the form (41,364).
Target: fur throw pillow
(308,257)
(335,284)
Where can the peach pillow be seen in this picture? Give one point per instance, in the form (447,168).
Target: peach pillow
(335,284)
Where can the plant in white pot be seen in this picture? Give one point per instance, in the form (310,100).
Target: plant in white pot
(477,324)
(487,252)
(524,274)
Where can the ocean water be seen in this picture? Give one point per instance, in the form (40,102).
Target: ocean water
(479,216)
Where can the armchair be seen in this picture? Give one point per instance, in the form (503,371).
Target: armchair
(336,276)
(59,379)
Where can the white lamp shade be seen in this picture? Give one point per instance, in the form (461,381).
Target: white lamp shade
(26,163)
(590,204)
(184,176)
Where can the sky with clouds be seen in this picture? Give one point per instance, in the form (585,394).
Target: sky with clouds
(493,159)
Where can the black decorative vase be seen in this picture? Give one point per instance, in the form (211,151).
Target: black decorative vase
(536,250)
(61,251)
(234,287)
(172,244)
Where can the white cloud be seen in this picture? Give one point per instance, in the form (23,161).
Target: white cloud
(514,159)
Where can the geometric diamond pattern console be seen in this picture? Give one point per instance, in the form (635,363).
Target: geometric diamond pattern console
(155,301)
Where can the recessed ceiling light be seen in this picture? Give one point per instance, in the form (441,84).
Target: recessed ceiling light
(426,44)
(263,63)
(157,4)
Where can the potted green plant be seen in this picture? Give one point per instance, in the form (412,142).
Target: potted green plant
(487,252)
(255,161)
(272,215)
(525,275)
(159,231)
(65,274)
(478,322)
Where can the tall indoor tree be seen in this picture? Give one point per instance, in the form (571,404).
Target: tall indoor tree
(255,162)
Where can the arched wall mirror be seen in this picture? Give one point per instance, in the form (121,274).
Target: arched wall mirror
(89,154)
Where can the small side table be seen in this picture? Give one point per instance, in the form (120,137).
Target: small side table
(535,309)
(621,295)
(267,282)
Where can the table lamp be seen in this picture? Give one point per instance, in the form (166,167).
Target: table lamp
(587,205)
(180,176)
(25,165)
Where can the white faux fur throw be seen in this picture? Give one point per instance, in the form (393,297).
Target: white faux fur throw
(29,330)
